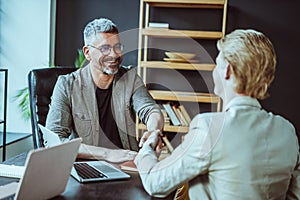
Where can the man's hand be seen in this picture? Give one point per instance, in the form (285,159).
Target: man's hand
(152,138)
(120,155)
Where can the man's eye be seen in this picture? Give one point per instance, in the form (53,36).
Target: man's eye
(118,46)
(105,48)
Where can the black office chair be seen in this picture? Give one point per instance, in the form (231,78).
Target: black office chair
(41,84)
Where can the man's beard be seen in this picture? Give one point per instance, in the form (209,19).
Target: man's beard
(110,69)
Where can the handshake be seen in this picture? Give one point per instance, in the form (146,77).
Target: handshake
(156,140)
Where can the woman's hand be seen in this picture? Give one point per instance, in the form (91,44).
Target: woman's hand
(152,138)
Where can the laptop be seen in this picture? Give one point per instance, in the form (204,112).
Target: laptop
(86,171)
(47,171)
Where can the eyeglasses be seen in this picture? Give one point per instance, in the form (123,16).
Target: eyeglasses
(106,49)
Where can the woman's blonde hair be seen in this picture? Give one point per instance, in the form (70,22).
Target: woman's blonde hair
(252,61)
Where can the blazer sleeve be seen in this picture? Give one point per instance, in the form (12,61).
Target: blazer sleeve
(294,187)
(59,118)
(161,178)
(143,103)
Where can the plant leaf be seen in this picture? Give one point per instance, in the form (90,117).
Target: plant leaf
(22,97)
(80,60)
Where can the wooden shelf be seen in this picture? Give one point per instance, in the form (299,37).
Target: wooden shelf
(170,33)
(146,32)
(184,96)
(179,66)
(187,3)
(169,128)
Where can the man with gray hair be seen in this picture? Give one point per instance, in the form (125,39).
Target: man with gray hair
(98,102)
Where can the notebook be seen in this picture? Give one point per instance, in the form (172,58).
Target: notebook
(47,171)
(11,171)
(49,137)
(87,171)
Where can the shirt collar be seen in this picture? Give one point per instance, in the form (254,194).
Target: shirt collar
(243,101)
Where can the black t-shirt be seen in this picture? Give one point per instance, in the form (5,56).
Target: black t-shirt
(110,137)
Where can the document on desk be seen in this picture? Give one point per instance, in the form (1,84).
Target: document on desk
(128,166)
(11,171)
(8,190)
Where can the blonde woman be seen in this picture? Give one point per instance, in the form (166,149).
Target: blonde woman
(243,152)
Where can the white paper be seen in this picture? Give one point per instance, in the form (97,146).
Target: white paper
(8,189)
(12,171)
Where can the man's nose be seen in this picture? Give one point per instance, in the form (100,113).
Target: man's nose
(112,53)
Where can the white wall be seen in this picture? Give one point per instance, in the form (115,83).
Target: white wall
(24,45)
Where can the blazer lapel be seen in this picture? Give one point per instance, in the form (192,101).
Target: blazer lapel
(88,89)
(119,96)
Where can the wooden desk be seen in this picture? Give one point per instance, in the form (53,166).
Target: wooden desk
(124,189)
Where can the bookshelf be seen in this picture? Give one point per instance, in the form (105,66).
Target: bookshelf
(145,64)
(181,33)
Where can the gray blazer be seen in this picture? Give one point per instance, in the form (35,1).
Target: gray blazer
(73,110)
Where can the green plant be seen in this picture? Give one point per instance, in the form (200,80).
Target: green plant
(80,60)
(22,96)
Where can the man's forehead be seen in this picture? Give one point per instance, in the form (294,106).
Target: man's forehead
(106,38)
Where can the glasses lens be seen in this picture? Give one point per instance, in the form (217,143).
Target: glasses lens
(118,48)
(105,49)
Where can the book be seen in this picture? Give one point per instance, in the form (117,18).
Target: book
(128,166)
(185,114)
(158,25)
(11,171)
(166,117)
(180,115)
(182,118)
(175,121)
(176,113)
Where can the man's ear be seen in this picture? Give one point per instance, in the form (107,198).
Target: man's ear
(228,72)
(86,52)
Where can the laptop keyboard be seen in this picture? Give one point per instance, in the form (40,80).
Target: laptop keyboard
(85,171)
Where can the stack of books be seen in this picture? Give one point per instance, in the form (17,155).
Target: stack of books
(177,114)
